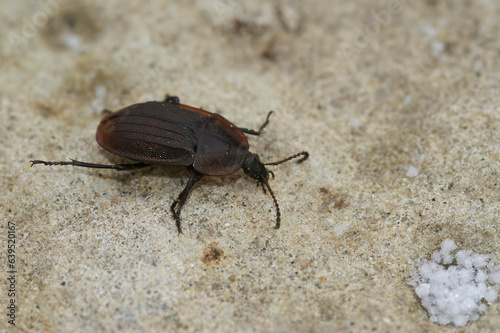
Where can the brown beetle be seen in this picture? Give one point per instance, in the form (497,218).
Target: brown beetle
(171,133)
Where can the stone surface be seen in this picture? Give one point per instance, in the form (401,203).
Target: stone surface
(397,103)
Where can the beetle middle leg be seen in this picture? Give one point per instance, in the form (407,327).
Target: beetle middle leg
(172,99)
(254,132)
(181,200)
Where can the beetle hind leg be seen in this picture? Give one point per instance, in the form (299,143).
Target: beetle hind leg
(118,167)
(181,200)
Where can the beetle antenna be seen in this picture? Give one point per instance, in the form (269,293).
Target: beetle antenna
(305,155)
(278,214)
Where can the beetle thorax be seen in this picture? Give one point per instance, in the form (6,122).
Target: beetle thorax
(254,168)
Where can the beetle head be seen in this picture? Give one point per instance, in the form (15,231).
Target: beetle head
(254,168)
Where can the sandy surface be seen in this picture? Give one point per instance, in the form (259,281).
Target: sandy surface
(397,103)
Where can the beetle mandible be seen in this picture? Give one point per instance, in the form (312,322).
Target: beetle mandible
(171,133)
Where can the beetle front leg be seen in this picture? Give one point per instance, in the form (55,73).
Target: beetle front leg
(254,132)
(179,202)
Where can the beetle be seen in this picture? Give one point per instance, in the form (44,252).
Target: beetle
(171,133)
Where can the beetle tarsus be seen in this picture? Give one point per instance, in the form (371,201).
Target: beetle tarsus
(181,200)
(52,163)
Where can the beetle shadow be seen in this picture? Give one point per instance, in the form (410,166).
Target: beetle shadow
(180,174)
(183,173)
(211,184)
(154,170)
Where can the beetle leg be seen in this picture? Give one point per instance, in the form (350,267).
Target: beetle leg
(172,99)
(179,202)
(254,132)
(118,167)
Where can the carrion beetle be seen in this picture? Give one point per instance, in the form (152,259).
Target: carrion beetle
(171,133)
